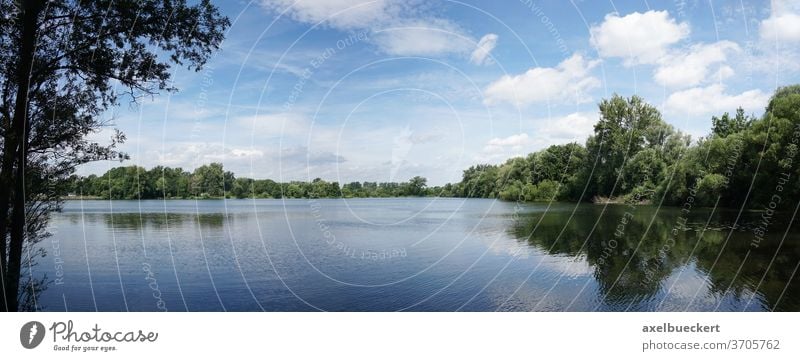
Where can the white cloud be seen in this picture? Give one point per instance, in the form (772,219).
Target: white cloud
(569,128)
(783,25)
(422,37)
(713,99)
(480,56)
(575,127)
(779,47)
(692,67)
(568,81)
(724,72)
(397,27)
(638,38)
(339,14)
(500,149)
(652,38)
(515,141)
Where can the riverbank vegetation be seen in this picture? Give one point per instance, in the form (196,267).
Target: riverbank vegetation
(633,156)
(212,181)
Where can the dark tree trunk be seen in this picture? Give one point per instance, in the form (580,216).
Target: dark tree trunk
(7,167)
(9,147)
(9,157)
(17,229)
(19,127)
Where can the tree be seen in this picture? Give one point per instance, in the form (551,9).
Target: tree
(211,180)
(479,181)
(242,188)
(61,64)
(726,125)
(626,127)
(416,186)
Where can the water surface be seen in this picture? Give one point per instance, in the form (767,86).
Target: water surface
(420,254)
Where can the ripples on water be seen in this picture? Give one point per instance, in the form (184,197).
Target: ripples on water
(421,254)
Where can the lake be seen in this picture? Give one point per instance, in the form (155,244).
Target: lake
(415,254)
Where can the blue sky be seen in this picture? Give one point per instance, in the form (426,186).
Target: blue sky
(385,90)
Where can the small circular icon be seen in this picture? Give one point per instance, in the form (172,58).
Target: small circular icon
(31,334)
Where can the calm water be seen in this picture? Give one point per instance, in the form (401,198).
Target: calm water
(413,254)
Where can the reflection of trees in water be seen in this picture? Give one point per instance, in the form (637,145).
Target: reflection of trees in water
(625,276)
(159,221)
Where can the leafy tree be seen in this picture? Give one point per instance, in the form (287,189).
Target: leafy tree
(243,188)
(479,181)
(61,64)
(267,189)
(416,186)
(626,127)
(726,125)
(557,162)
(209,180)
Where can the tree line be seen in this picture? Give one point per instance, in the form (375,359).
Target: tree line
(635,156)
(212,181)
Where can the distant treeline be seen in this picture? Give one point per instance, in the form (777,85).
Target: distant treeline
(633,156)
(212,181)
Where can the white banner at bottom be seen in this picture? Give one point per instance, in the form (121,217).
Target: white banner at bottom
(399,336)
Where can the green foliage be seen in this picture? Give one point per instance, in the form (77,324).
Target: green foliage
(632,145)
(636,157)
(479,181)
(416,186)
(545,190)
(212,181)
(726,125)
(710,188)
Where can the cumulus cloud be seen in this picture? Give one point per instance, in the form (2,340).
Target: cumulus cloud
(568,81)
(693,66)
(713,99)
(654,38)
(784,27)
(783,24)
(639,38)
(397,27)
(480,55)
(569,128)
(515,141)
